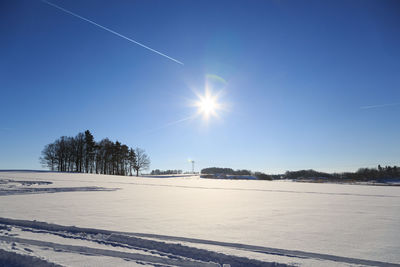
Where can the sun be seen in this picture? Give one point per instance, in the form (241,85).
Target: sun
(208,105)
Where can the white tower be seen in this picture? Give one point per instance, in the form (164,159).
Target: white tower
(192,161)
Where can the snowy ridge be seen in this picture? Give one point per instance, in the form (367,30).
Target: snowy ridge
(177,252)
(111,253)
(13,259)
(173,254)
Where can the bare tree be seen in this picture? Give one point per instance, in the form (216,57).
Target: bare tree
(131,160)
(142,160)
(49,157)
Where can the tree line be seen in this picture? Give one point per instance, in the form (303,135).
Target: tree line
(363,174)
(82,153)
(161,172)
(227,171)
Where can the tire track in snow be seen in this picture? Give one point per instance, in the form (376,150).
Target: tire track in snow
(109,253)
(267,190)
(253,248)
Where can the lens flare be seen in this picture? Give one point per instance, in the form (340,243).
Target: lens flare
(208,105)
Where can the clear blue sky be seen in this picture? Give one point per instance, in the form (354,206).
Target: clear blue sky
(310,84)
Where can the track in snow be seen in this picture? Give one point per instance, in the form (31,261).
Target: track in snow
(179,255)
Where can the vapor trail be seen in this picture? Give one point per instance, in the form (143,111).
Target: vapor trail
(113,32)
(168,125)
(380,106)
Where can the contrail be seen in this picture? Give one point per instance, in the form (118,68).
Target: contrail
(380,106)
(113,32)
(166,125)
(170,124)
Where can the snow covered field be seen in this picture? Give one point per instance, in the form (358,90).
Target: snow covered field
(174,221)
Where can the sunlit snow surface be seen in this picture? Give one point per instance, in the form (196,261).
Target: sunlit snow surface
(355,221)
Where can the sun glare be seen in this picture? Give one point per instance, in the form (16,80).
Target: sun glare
(208,105)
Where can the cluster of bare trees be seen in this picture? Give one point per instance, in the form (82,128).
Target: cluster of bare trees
(82,154)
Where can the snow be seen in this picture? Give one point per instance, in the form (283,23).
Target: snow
(350,221)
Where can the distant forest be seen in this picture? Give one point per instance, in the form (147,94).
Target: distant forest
(161,172)
(83,154)
(362,174)
(227,171)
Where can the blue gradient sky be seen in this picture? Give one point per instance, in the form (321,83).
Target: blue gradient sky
(310,84)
